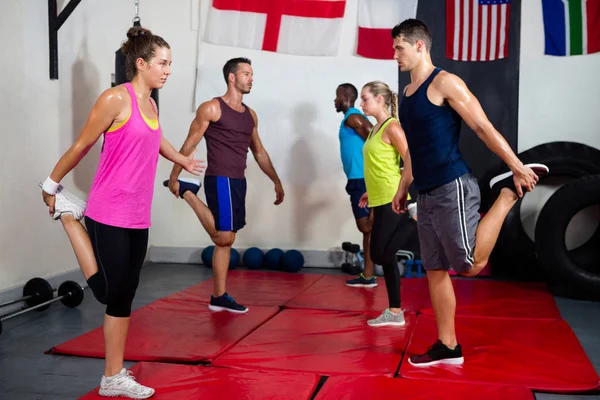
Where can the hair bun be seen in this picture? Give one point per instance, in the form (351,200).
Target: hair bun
(132,34)
(137,31)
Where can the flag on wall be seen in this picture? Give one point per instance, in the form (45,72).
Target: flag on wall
(571,27)
(302,27)
(477,30)
(376,18)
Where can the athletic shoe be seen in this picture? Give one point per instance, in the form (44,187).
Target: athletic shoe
(388,318)
(66,202)
(506,179)
(123,384)
(226,303)
(361,281)
(185,184)
(437,354)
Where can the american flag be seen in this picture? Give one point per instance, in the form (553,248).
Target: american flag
(477,30)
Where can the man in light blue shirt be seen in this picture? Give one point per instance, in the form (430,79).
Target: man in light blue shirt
(354,129)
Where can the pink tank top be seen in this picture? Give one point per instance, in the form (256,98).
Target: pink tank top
(123,187)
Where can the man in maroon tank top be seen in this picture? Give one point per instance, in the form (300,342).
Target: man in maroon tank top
(230,129)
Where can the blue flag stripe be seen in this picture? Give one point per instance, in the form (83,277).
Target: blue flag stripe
(555,27)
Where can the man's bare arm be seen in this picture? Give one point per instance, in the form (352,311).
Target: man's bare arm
(468,107)
(360,124)
(207,112)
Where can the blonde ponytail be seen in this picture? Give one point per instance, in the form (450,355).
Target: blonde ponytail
(395,105)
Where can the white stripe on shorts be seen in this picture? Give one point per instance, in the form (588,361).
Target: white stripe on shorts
(460,198)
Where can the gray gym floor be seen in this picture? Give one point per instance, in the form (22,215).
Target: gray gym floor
(26,373)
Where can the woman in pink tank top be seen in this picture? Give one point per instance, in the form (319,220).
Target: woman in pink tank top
(112,250)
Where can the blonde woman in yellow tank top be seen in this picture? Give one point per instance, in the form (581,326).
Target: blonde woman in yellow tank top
(382,153)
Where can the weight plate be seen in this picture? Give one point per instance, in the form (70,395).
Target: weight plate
(40,291)
(72,292)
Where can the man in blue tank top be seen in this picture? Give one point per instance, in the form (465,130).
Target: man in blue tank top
(354,129)
(451,233)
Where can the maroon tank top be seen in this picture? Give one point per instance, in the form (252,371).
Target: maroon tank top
(227,142)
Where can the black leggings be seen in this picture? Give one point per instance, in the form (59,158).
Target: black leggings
(120,253)
(391,232)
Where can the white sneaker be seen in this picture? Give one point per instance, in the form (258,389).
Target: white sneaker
(538,169)
(67,203)
(124,384)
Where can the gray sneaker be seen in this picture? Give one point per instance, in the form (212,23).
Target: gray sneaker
(387,318)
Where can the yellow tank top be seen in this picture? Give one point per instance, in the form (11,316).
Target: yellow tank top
(382,168)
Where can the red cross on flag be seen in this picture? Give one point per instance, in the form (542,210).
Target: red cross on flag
(376,18)
(301,27)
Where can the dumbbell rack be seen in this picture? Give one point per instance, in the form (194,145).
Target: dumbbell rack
(354,262)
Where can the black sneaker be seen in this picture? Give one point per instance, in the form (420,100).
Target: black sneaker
(505,180)
(437,354)
(226,303)
(185,184)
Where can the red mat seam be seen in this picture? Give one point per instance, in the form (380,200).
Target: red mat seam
(397,373)
(317,388)
(314,391)
(210,360)
(282,306)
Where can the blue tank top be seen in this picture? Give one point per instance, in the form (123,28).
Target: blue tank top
(432,133)
(351,144)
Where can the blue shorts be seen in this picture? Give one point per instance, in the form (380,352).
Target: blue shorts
(226,199)
(356,188)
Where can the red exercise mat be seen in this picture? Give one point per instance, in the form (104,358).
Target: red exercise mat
(253,288)
(323,342)
(331,293)
(487,298)
(175,331)
(177,382)
(383,388)
(542,355)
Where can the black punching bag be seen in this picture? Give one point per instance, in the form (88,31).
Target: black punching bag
(121,76)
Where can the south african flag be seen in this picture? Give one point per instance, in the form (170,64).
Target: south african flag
(571,27)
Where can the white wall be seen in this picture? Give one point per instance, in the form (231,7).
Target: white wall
(559,100)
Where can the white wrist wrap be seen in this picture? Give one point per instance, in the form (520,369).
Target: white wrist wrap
(50,186)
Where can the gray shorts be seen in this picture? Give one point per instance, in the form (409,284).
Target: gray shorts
(447,219)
